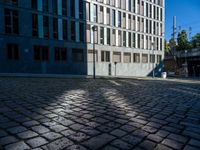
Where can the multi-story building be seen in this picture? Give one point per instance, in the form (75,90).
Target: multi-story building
(56,36)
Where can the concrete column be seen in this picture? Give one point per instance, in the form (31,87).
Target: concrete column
(105,36)
(105,15)
(39,5)
(116,40)
(77,32)
(91,12)
(59,7)
(40,26)
(127,39)
(77,9)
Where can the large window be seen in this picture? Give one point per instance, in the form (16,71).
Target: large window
(55,6)
(95,13)
(11,21)
(144,58)
(81,9)
(105,56)
(12,52)
(64,7)
(152,58)
(35,25)
(34,4)
(136,58)
(119,19)
(45,5)
(46,26)
(117,57)
(77,55)
(11,2)
(65,30)
(113,17)
(73,32)
(108,36)
(82,31)
(41,53)
(127,57)
(55,28)
(90,56)
(72,3)
(101,35)
(60,54)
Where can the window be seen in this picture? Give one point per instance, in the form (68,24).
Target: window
(64,7)
(136,58)
(127,57)
(129,39)
(105,56)
(159,58)
(152,58)
(113,37)
(11,21)
(73,32)
(124,20)
(88,33)
(81,9)
(65,30)
(129,5)
(90,56)
(101,16)
(35,25)
(134,40)
(119,19)
(41,53)
(55,28)
(34,4)
(117,57)
(55,6)
(95,13)
(46,26)
(82,31)
(144,58)
(108,36)
(11,2)
(45,6)
(101,35)
(113,17)
(77,55)
(87,11)
(72,3)
(119,38)
(124,38)
(60,54)
(12,52)
(108,16)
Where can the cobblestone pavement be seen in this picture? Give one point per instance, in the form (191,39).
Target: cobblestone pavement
(108,114)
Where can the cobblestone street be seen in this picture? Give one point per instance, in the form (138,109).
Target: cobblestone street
(107,114)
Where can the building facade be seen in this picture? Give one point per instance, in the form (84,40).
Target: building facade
(56,36)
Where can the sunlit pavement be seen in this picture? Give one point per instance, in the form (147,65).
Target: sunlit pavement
(108,114)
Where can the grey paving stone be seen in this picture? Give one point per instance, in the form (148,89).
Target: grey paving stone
(121,144)
(17,129)
(178,138)
(194,142)
(188,147)
(17,146)
(148,145)
(51,135)
(27,134)
(79,136)
(3,133)
(149,129)
(155,138)
(98,141)
(40,129)
(133,140)
(76,147)
(58,144)
(172,144)
(109,147)
(162,147)
(36,142)
(58,128)
(128,128)
(30,123)
(7,140)
(68,132)
(118,133)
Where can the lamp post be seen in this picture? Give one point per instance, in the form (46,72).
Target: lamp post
(186,65)
(153,61)
(94,28)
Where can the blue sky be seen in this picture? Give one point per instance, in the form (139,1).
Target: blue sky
(187,13)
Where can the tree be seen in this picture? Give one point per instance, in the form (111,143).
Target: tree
(167,47)
(196,41)
(182,40)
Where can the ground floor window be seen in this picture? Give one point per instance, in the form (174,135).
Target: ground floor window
(117,57)
(105,56)
(127,57)
(12,51)
(144,58)
(77,55)
(41,53)
(159,58)
(90,56)
(136,57)
(60,54)
(152,58)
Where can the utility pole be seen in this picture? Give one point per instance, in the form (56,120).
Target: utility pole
(174,41)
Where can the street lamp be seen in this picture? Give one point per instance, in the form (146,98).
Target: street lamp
(186,65)
(94,28)
(153,61)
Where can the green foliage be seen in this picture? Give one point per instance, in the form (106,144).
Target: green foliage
(196,41)
(183,43)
